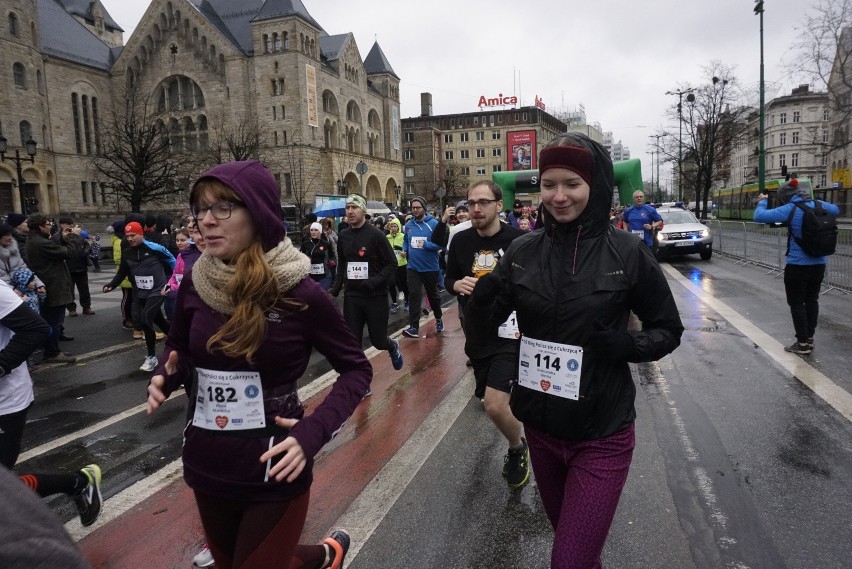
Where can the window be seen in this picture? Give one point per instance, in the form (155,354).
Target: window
(265,43)
(409,189)
(84,186)
(288,185)
(771,140)
(448,155)
(94,192)
(448,138)
(480,153)
(782,138)
(794,160)
(783,118)
(464,137)
(448,172)
(465,154)
(408,136)
(26,133)
(499,119)
(13,24)
(797,116)
(275,138)
(822,180)
(782,160)
(277,86)
(274,112)
(824,161)
(796,137)
(495,152)
(465,170)
(496,168)
(480,135)
(409,172)
(276,42)
(87,132)
(20,74)
(75,111)
(825,137)
(39,83)
(517,117)
(408,154)
(825,114)
(480,170)
(475,120)
(495,135)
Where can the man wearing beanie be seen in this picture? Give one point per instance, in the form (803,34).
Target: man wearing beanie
(423,266)
(366,266)
(48,260)
(78,265)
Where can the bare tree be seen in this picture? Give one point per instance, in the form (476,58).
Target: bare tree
(451,179)
(241,137)
(139,162)
(302,177)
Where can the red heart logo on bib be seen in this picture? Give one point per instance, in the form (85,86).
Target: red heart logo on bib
(545,385)
(221,421)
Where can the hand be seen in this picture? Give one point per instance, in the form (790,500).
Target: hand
(613,344)
(648,226)
(334,291)
(448,213)
(107,289)
(465,285)
(294,460)
(156,397)
(762,196)
(76,230)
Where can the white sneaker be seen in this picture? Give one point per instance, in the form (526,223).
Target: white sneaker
(203,558)
(150,364)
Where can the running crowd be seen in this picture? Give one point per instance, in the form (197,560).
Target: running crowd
(545,297)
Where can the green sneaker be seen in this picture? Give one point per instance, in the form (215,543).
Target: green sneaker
(88,500)
(516,466)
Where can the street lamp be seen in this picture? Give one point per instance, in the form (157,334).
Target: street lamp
(340,186)
(761,157)
(30,145)
(657,146)
(689,99)
(398,190)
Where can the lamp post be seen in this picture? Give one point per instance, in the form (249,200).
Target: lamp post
(689,98)
(657,138)
(761,156)
(398,190)
(341,185)
(30,145)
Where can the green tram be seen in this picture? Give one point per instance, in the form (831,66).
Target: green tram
(739,202)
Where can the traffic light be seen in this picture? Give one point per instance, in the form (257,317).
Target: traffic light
(758,6)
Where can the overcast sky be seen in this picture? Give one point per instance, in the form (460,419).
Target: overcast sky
(616,58)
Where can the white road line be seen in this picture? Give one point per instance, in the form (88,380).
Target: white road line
(371,506)
(821,385)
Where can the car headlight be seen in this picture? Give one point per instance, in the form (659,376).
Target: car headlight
(705,233)
(661,236)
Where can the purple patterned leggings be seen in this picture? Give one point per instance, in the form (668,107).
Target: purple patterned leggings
(580,484)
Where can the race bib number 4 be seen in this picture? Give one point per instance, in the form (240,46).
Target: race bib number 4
(229,401)
(550,368)
(358,271)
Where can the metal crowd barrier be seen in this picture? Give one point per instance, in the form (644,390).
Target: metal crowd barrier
(764,246)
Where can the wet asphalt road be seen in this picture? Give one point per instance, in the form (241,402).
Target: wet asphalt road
(737,463)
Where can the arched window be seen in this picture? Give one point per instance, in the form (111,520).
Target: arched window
(286,41)
(26,133)
(202,132)
(13,24)
(39,83)
(265,43)
(75,111)
(276,42)
(19,72)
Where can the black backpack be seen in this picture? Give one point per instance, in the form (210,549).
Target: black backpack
(819,229)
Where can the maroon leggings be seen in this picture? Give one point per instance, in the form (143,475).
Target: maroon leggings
(580,484)
(260,535)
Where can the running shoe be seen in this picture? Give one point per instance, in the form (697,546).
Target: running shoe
(439,325)
(203,558)
(799,348)
(150,364)
(516,466)
(405,307)
(395,354)
(160,335)
(338,545)
(88,500)
(394,308)
(810,342)
(138,334)
(410,333)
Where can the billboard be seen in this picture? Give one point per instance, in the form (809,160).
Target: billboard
(521,149)
(311,84)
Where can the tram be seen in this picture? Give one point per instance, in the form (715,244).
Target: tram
(739,202)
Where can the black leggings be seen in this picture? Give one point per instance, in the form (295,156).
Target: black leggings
(428,281)
(258,535)
(401,284)
(146,313)
(372,311)
(802,284)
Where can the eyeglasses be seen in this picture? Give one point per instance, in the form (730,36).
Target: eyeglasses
(480,203)
(220,210)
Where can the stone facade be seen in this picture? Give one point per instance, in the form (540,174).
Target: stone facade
(201,79)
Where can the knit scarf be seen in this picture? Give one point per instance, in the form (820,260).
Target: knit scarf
(211,275)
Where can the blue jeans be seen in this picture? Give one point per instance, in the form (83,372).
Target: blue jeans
(55,318)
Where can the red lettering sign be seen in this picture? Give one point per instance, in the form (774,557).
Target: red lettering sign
(539,103)
(499,100)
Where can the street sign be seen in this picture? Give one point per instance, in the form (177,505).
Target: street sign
(440,192)
(361,168)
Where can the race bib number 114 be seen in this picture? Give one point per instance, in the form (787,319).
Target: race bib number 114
(550,367)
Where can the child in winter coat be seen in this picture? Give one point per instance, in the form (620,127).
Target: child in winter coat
(23,280)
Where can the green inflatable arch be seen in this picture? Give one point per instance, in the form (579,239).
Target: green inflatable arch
(627,174)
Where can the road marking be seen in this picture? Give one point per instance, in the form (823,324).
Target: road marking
(371,506)
(821,385)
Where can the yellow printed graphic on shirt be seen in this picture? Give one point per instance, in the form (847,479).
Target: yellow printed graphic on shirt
(484,262)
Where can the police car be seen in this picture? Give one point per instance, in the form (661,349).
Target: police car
(682,234)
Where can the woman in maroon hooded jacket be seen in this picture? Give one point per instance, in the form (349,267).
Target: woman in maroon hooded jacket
(248,305)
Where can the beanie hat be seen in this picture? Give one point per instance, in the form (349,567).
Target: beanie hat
(66,221)
(574,158)
(133,227)
(358,200)
(788,190)
(255,186)
(518,203)
(15,219)
(316,226)
(462,205)
(419,199)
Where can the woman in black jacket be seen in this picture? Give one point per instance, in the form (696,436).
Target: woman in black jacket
(319,250)
(573,286)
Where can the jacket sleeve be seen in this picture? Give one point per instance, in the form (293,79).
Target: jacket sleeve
(387,275)
(454,270)
(177,341)
(776,215)
(441,234)
(121,274)
(30,332)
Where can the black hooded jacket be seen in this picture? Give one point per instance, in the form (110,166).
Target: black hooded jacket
(570,281)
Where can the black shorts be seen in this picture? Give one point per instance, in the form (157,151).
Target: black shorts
(499,371)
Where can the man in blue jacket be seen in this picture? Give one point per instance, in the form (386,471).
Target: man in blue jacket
(803,273)
(642,219)
(423,267)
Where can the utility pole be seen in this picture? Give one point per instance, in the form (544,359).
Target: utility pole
(761,156)
(689,98)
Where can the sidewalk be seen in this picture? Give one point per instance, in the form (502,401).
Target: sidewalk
(164,531)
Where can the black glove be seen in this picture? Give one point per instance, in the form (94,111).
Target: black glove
(335,290)
(610,343)
(486,289)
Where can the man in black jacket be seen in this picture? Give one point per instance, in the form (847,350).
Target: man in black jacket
(78,265)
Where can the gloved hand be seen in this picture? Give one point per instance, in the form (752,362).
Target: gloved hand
(613,344)
(335,290)
(486,288)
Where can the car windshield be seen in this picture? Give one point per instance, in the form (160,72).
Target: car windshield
(677,216)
